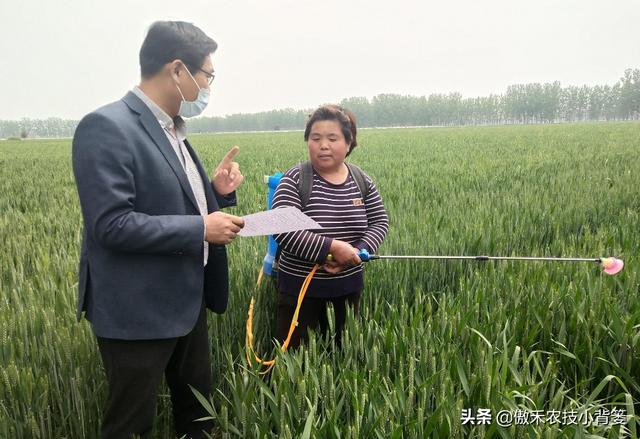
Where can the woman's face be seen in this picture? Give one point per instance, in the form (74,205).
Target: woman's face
(327,145)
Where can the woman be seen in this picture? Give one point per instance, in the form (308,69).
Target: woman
(346,203)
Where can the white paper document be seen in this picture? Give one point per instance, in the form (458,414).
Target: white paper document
(269,222)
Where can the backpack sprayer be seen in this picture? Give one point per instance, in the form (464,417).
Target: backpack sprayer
(272,247)
(610,266)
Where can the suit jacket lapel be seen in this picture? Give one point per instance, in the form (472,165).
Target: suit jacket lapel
(212,204)
(155,131)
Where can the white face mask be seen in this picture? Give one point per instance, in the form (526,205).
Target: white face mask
(193,108)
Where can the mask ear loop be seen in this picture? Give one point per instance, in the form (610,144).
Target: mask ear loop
(192,78)
(180,91)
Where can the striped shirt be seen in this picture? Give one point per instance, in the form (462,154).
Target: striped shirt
(343,215)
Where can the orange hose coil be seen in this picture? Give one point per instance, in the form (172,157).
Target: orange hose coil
(292,326)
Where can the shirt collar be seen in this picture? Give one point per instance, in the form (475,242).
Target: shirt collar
(166,122)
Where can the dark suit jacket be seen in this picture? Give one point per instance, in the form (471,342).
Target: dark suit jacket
(141,264)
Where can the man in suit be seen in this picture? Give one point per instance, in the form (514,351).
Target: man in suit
(153,257)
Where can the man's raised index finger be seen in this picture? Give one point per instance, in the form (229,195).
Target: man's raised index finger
(231,154)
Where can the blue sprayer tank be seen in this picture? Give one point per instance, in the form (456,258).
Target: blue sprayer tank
(269,258)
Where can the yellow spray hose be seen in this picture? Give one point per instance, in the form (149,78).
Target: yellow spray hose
(292,327)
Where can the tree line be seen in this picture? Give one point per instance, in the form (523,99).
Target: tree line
(519,104)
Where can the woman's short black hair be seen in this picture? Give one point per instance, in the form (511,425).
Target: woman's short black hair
(344,117)
(170,40)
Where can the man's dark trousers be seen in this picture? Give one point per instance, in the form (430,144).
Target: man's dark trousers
(134,371)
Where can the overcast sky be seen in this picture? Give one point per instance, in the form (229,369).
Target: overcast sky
(65,58)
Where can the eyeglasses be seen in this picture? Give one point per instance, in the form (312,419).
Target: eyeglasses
(210,76)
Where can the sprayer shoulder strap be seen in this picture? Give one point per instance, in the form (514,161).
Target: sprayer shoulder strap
(361,179)
(305,185)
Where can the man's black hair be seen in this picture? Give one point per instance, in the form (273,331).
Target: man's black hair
(170,40)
